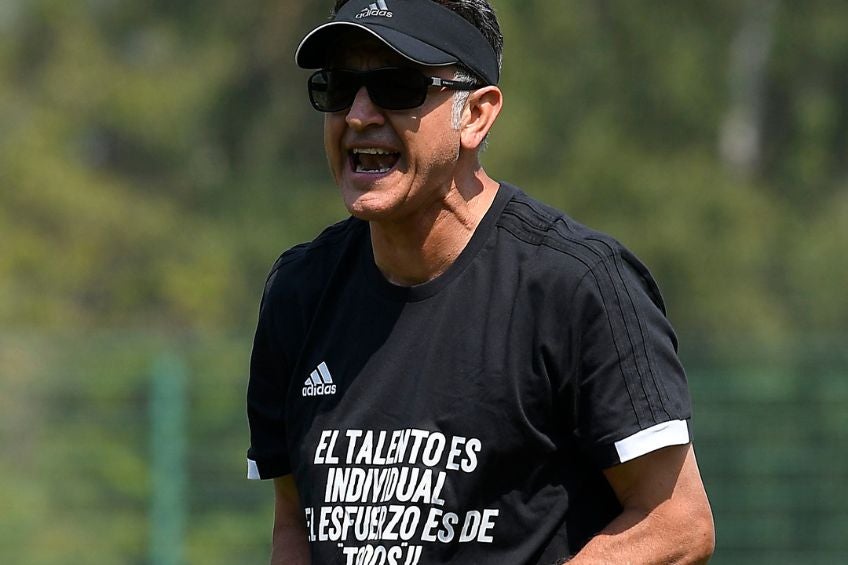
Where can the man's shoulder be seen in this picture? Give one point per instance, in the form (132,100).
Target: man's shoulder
(535,223)
(307,262)
(566,251)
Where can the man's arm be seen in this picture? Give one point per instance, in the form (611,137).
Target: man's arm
(666,516)
(290,545)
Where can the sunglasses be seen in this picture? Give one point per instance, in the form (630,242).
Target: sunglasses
(391,88)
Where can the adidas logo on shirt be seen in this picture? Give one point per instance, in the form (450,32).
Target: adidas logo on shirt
(319,383)
(378,8)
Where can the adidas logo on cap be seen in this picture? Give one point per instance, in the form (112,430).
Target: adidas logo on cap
(319,383)
(378,8)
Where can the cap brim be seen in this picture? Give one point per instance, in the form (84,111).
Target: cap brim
(312,51)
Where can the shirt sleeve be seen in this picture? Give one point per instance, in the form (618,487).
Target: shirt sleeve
(632,394)
(267,456)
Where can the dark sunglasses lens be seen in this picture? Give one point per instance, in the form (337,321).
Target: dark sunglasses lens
(397,89)
(332,91)
(391,89)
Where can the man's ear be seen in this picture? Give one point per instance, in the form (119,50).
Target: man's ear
(481,111)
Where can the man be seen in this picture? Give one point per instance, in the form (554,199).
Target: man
(459,373)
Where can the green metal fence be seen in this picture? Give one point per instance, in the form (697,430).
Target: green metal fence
(772,444)
(127,448)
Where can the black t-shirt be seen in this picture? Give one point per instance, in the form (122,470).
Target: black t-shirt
(467,419)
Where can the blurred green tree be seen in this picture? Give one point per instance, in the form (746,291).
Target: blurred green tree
(156,156)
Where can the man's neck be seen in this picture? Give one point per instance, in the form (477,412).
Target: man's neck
(419,249)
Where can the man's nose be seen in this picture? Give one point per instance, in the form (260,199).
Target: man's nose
(363,112)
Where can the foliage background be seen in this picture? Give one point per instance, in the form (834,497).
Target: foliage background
(156,157)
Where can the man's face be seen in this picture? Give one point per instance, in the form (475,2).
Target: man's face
(389,164)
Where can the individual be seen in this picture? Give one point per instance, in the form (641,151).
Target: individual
(458,373)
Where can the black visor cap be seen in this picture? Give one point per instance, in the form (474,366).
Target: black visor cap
(420,30)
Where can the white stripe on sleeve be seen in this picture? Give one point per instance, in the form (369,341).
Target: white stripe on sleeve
(675,432)
(252,470)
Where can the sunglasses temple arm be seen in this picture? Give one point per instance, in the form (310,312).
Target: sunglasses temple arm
(453,84)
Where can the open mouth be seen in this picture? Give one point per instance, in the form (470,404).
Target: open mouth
(371,160)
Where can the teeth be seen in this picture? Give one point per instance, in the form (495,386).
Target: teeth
(371,151)
(361,169)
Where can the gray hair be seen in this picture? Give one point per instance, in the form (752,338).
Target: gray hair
(460,97)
